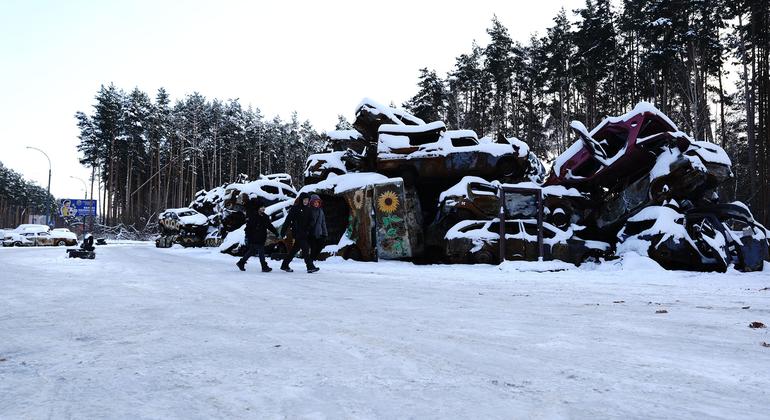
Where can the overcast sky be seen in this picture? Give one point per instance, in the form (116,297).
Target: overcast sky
(316,57)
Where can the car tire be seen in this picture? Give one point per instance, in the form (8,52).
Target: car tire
(483,257)
(61,243)
(17,243)
(506,168)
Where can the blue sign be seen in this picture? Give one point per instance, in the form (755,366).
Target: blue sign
(70,207)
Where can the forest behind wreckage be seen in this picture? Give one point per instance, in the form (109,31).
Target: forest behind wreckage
(599,60)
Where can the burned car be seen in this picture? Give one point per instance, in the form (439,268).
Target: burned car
(474,198)
(279,177)
(701,239)
(345,151)
(184,226)
(639,159)
(430,153)
(478,242)
(39,235)
(233,210)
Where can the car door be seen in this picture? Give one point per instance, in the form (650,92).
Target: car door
(28,239)
(43,239)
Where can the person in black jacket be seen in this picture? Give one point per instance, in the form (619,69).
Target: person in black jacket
(298,220)
(257,225)
(318,232)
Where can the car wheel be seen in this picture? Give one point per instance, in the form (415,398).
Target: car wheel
(61,243)
(483,257)
(506,168)
(17,243)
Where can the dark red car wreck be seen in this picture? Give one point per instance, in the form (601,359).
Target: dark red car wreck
(639,169)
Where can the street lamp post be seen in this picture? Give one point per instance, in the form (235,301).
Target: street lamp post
(48,215)
(85,197)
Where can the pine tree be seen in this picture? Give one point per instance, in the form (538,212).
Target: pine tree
(429,103)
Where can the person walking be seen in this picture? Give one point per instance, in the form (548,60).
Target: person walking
(257,225)
(298,220)
(318,232)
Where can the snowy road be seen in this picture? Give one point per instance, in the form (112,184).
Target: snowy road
(148,333)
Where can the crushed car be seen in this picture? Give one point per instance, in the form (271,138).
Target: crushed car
(478,242)
(236,195)
(184,226)
(39,235)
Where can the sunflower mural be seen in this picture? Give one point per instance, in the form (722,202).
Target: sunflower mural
(388,202)
(391,227)
(358,199)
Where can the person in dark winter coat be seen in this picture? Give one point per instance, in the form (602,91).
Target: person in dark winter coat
(318,232)
(298,220)
(257,225)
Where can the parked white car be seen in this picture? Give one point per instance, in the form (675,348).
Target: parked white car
(39,235)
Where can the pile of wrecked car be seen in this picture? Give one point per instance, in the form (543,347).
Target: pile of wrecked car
(396,187)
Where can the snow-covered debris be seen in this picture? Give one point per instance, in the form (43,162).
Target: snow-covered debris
(397,116)
(711,153)
(342,135)
(406,129)
(667,158)
(186,216)
(347,182)
(320,163)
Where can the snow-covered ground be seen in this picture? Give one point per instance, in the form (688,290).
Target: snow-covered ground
(142,332)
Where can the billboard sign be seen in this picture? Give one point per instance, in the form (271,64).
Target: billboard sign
(71,207)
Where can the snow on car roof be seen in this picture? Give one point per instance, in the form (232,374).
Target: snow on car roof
(256,188)
(347,182)
(328,160)
(461,188)
(711,152)
(640,108)
(400,128)
(394,114)
(343,134)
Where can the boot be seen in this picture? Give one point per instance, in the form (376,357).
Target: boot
(266,268)
(313,269)
(287,269)
(241,265)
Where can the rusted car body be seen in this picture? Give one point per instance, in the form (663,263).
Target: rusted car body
(56,237)
(702,239)
(477,242)
(430,153)
(345,151)
(630,166)
(184,226)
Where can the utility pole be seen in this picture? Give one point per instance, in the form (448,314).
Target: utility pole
(48,215)
(85,197)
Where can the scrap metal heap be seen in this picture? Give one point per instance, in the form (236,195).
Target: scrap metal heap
(396,187)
